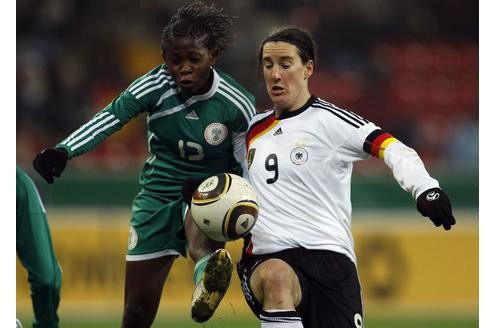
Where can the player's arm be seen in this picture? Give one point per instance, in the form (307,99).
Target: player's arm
(141,95)
(51,162)
(105,123)
(410,172)
(239,129)
(239,145)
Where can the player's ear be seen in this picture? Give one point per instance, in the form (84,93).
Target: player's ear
(163,55)
(308,69)
(214,53)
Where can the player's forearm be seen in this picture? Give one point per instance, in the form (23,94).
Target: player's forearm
(106,122)
(408,169)
(89,135)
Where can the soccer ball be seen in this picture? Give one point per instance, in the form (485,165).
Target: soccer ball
(224,207)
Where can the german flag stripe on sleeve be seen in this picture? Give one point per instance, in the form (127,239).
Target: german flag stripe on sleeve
(376,143)
(259,128)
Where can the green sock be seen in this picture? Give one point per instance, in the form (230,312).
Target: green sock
(199,268)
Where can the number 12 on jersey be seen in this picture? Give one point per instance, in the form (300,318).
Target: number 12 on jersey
(194,149)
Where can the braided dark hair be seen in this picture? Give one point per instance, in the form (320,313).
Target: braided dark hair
(201,22)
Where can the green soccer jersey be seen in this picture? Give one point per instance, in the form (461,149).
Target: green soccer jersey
(188,136)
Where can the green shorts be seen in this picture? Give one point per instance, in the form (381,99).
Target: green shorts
(154,226)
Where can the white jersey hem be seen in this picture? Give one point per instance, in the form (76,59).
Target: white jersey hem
(142,257)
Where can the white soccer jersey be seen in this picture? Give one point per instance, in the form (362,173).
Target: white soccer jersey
(300,165)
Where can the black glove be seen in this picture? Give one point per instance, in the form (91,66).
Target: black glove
(435,204)
(50,163)
(189,187)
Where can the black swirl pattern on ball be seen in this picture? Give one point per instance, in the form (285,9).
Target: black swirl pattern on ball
(231,218)
(209,197)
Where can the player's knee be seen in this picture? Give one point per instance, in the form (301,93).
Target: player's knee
(276,276)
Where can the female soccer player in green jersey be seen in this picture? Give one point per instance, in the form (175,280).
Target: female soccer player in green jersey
(35,251)
(197,118)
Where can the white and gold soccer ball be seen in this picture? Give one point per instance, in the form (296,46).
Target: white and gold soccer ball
(224,207)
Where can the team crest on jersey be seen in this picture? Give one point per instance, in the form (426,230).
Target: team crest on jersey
(133,239)
(250,157)
(215,133)
(299,155)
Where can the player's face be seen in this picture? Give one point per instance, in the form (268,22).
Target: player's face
(189,62)
(286,76)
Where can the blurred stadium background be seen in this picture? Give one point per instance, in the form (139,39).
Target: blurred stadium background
(411,66)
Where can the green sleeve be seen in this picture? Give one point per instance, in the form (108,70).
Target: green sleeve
(35,251)
(105,123)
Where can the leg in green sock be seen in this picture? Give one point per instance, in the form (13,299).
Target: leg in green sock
(199,268)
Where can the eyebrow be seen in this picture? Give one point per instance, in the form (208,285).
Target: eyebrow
(281,58)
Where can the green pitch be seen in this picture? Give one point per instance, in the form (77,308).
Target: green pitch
(251,322)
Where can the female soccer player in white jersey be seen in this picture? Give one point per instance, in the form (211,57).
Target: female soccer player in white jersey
(298,268)
(197,119)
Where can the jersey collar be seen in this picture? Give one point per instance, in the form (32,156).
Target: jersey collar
(213,89)
(296,112)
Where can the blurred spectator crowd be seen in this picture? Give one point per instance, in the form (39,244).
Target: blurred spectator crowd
(410,66)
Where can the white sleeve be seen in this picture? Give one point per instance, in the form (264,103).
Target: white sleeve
(408,169)
(352,149)
(239,144)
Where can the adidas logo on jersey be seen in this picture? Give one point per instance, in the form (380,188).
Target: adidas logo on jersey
(279,131)
(192,115)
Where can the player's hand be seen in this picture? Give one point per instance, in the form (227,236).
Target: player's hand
(435,204)
(50,163)
(189,187)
